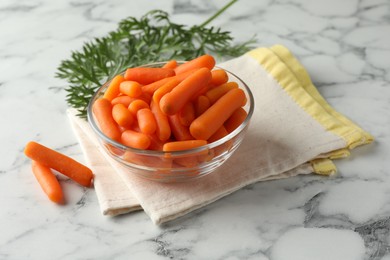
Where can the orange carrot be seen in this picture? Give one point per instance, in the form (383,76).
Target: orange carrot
(215,93)
(48,182)
(122,115)
(235,119)
(180,132)
(148,75)
(162,164)
(131,88)
(170,64)
(102,110)
(135,139)
(187,114)
(186,160)
(164,89)
(146,97)
(220,133)
(218,77)
(146,121)
(213,118)
(163,130)
(59,162)
(152,87)
(172,102)
(205,61)
(113,89)
(183,145)
(202,103)
(125,100)
(155,143)
(137,105)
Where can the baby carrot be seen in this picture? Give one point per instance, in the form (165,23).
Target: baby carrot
(155,143)
(48,182)
(125,100)
(152,87)
(183,145)
(205,61)
(146,97)
(59,162)
(180,132)
(172,102)
(215,93)
(187,114)
(102,110)
(202,103)
(218,77)
(131,88)
(220,133)
(146,121)
(213,118)
(122,115)
(137,105)
(164,89)
(156,162)
(135,139)
(235,119)
(163,130)
(148,75)
(170,64)
(113,89)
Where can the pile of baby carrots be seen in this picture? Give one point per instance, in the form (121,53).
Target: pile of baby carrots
(172,108)
(45,159)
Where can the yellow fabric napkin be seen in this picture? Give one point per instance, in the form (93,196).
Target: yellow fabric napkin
(293,131)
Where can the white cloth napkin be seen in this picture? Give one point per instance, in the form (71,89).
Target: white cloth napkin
(293,131)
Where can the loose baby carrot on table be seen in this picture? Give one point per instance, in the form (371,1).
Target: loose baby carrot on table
(213,118)
(137,105)
(122,115)
(113,89)
(215,93)
(202,103)
(180,132)
(102,110)
(183,145)
(170,64)
(125,100)
(218,77)
(131,88)
(59,162)
(148,75)
(163,130)
(146,121)
(235,119)
(172,102)
(135,139)
(187,114)
(48,182)
(204,61)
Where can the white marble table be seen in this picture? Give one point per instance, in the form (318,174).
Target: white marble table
(345,46)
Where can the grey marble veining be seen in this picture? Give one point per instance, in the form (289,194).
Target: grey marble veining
(345,46)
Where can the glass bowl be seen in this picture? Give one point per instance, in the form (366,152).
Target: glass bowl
(177,166)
